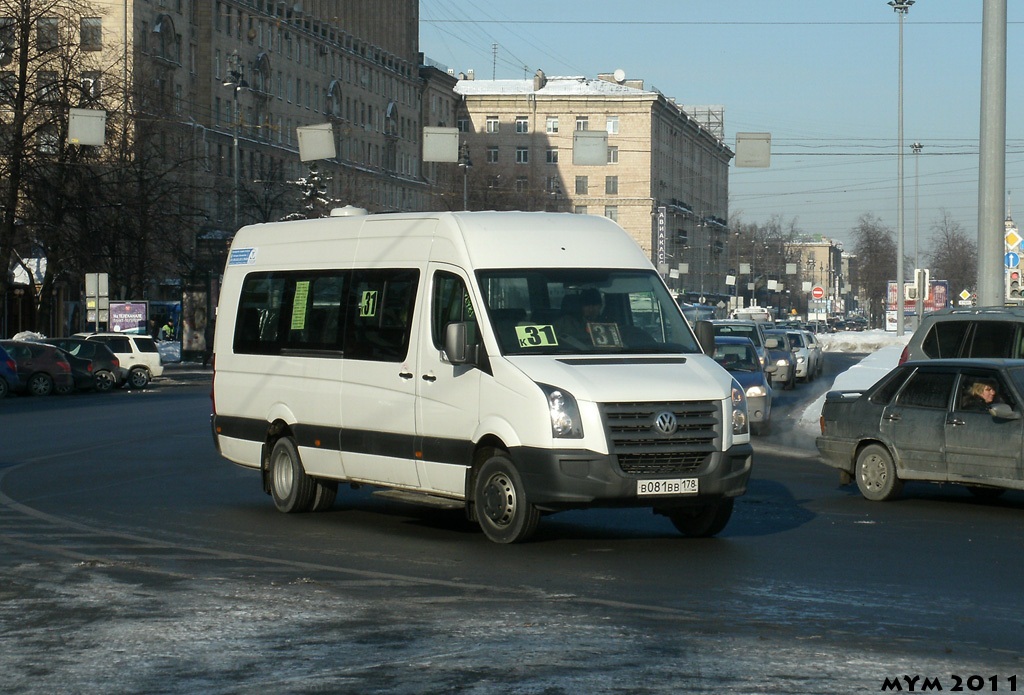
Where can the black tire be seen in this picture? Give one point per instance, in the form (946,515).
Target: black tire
(39,384)
(876,474)
(105,381)
(760,429)
(64,390)
(500,504)
(702,521)
(323,496)
(4,388)
(138,378)
(293,491)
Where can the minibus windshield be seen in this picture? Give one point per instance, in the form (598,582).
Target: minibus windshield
(571,311)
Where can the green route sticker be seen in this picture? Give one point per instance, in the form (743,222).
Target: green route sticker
(536,336)
(299,305)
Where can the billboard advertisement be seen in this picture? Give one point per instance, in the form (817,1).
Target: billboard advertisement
(128,317)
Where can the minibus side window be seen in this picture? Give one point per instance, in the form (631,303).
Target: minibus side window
(379,314)
(259,311)
(451,305)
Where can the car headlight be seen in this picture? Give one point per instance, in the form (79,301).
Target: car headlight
(739,409)
(782,363)
(757,391)
(799,360)
(565,415)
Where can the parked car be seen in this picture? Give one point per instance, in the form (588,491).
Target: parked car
(780,354)
(9,380)
(42,369)
(81,374)
(922,421)
(817,352)
(739,357)
(968,332)
(137,354)
(802,354)
(745,329)
(107,372)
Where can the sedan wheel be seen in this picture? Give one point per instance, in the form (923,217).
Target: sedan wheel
(104,381)
(138,378)
(40,384)
(876,474)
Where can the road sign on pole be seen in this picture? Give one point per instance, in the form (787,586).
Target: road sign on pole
(818,292)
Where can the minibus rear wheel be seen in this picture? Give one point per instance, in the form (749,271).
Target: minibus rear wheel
(292,489)
(502,509)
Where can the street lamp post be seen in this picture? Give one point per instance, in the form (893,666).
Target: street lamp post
(237,83)
(465,164)
(901,7)
(919,306)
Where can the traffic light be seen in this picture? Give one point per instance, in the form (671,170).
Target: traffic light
(1013,285)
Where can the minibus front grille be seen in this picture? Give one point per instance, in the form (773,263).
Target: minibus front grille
(642,449)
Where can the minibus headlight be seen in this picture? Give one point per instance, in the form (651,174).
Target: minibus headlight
(565,415)
(739,409)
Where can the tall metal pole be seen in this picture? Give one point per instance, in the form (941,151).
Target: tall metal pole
(992,160)
(921,291)
(234,155)
(900,7)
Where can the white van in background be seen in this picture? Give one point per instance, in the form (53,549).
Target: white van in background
(510,363)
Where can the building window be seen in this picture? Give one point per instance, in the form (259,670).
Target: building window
(580,209)
(613,154)
(552,155)
(612,125)
(48,86)
(552,124)
(611,185)
(582,123)
(612,212)
(551,185)
(91,33)
(492,124)
(522,184)
(47,36)
(522,124)
(492,155)
(462,125)
(91,85)
(522,155)
(581,185)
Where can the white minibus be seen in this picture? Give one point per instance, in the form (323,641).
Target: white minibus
(510,363)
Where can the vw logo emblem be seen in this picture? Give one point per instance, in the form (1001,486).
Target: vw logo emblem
(666,423)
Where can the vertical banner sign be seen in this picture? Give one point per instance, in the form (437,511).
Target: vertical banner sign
(662,232)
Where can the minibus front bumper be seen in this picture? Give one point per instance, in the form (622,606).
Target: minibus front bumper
(567,478)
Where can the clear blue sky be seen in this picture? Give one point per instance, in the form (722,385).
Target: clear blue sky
(820,75)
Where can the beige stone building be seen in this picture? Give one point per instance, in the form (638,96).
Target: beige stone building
(243,75)
(665,177)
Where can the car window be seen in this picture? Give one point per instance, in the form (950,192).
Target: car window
(973,379)
(927,389)
(889,385)
(796,339)
(992,339)
(146,345)
(945,339)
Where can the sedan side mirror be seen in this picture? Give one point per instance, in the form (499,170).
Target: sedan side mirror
(1003,412)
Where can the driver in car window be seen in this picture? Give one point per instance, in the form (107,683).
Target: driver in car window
(980,395)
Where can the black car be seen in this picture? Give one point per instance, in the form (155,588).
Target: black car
(956,421)
(42,369)
(107,372)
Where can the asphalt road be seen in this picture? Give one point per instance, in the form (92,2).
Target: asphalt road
(134,559)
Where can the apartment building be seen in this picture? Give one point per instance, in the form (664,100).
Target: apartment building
(665,179)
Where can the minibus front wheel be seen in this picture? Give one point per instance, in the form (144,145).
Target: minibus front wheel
(502,509)
(291,488)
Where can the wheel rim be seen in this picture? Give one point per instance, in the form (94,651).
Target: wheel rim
(499,499)
(284,477)
(139,378)
(40,385)
(873,472)
(104,381)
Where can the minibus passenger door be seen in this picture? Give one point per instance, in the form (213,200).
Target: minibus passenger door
(448,395)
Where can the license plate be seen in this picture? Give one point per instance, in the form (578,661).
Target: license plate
(669,486)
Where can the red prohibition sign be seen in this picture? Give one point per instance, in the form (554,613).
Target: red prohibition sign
(818,292)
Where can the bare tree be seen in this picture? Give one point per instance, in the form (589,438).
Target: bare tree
(954,255)
(875,246)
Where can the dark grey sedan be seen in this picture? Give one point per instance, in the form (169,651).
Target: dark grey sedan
(955,421)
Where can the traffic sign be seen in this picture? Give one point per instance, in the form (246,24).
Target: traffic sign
(1011,259)
(818,292)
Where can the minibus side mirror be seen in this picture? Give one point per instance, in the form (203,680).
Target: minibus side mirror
(456,344)
(706,336)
